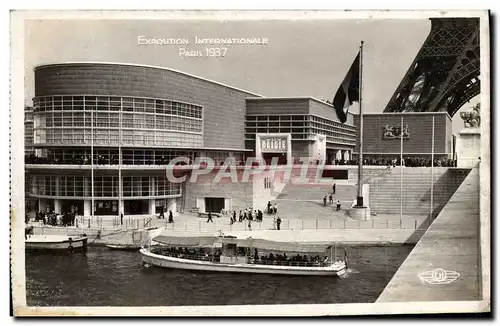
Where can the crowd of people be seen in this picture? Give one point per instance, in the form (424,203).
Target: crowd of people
(283,259)
(407,161)
(267,259)
(74,160)
(194,253)
(51,218)
(250,214)
(99,159)
(328,199)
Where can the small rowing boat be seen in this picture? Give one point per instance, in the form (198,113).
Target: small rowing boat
(123,247)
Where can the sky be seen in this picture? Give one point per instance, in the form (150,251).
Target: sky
(301,58)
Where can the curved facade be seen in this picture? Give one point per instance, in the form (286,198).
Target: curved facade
(223,107)
(114,120)
(131,121)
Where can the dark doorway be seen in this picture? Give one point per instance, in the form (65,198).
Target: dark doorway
(72,206)
(335,174)
(159,204)
(214,205)
(269,156)
(106,207)
(331,156)
(136,207)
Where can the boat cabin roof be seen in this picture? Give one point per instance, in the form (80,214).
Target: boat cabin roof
(268,245)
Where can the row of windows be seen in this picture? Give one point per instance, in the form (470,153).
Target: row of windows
(264,124)
(110,156)
(293,131)
(334,132)
(79,156)
(149,186)
(219,158)
(301,127)
(337,140)
(298,135)
(334,124)
(112,120)
(112,137)
(334,136)
(104,186)
(105,103)
(278,118)
(276,127)
(295,120)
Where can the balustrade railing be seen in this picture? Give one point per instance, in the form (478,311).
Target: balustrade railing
(223,223)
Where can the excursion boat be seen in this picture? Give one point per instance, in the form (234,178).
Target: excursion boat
(56,242)
(230,254)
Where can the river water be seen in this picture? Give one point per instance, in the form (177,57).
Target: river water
(103,277)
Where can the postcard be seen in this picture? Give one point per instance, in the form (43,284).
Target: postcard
(250,163)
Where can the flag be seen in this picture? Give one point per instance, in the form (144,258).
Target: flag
(348,91)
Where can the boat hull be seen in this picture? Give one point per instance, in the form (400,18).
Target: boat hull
(178,263)
(56,243)
(123,247)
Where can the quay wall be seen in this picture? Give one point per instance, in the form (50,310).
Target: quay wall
(451,248)
(372,237)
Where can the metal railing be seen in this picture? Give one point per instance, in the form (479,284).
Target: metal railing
(223,223)
(294,224)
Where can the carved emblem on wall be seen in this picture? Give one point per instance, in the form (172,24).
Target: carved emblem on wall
(472,119)
(394,132)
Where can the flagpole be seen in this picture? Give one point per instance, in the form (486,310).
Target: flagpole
(432,172)
(92,160)
(401,181)
(120,184)
(360,161)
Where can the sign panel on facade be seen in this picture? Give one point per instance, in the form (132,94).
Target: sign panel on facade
(273,144)
(394,132)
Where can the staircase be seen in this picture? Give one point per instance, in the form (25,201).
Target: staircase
(385,194)
(370,173)
(305,199)
(316,190)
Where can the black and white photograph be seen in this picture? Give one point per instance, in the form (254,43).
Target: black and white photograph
(250,163)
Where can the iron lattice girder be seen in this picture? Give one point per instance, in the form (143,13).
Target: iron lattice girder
(447,41)
(466,68)
(464,95)
(448,57)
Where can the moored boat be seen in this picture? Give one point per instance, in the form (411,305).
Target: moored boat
(123,246)
(56,242)
(230,254)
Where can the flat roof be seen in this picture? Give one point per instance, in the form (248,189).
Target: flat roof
(405,113)
(143,66)
(289,98)
(293,98)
